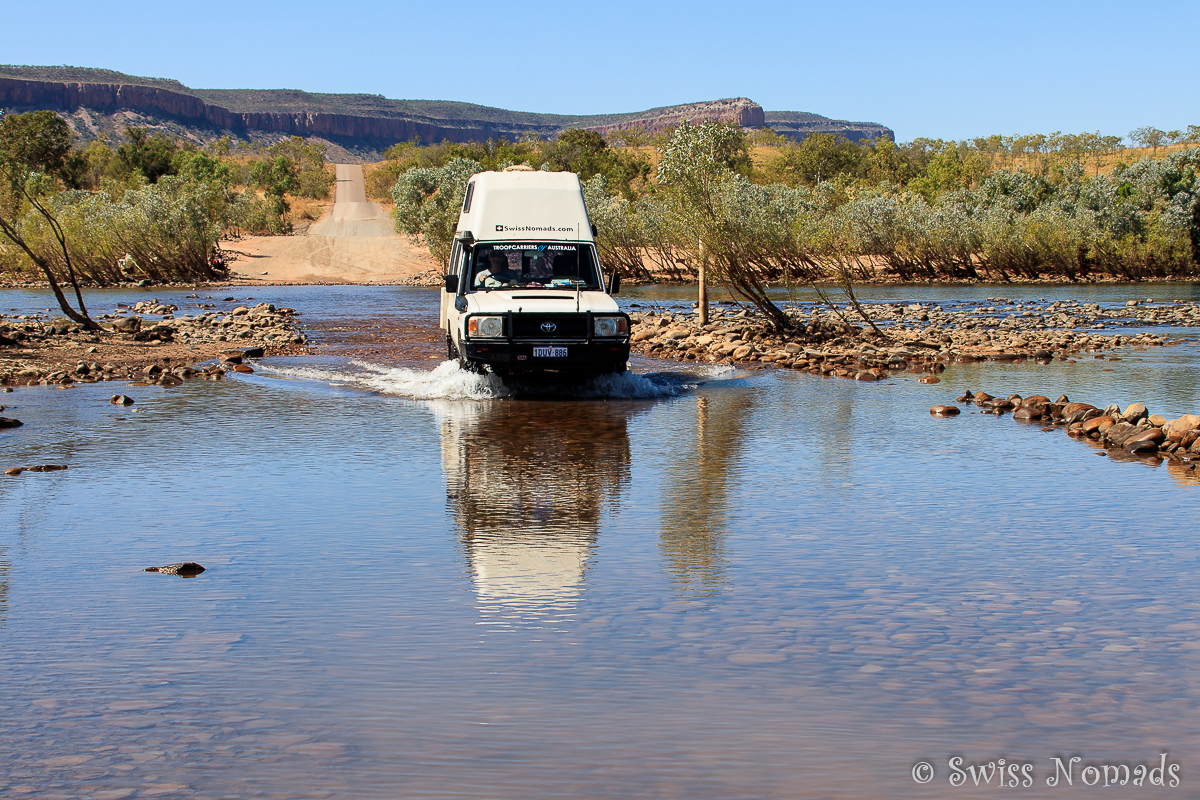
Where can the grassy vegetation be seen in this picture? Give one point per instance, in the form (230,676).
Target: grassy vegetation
(149,207)
(768,209)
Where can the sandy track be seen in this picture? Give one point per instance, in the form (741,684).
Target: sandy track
(352,242)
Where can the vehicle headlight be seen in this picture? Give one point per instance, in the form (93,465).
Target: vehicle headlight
(610,326)
(485,326)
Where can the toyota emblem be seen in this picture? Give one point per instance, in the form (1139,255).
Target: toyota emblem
(548,327)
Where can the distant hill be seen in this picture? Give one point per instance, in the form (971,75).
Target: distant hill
(797,125)
(102,102)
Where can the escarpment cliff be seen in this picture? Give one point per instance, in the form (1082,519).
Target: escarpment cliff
(189,109)
(363,122)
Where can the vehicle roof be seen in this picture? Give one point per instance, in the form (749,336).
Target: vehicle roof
(526,205)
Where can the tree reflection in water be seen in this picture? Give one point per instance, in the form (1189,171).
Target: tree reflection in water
(528,483)
(695,499)
(4,569)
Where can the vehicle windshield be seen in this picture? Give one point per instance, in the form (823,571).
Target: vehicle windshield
(533,265)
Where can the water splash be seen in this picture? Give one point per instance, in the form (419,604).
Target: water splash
(448,381)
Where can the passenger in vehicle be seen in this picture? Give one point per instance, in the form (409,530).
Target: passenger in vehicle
(498,272)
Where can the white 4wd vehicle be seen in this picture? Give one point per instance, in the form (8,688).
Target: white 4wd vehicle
(524,290)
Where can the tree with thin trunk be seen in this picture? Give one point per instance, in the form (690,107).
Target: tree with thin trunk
(10,227)
(695,167)
(1148,136)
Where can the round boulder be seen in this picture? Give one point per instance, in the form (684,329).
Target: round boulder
(1134,413)
(1178,428)
(944,411)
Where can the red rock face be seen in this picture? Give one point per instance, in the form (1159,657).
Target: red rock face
(108,97)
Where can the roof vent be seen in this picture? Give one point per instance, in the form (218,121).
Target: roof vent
(519,168)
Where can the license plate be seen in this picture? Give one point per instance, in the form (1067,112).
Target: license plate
(549,352)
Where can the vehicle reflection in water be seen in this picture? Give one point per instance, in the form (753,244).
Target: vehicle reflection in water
(695,498)
(528,484)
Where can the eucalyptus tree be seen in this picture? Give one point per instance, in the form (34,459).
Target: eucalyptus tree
(30,188)
(619,236)
(39,141)
(428,200)
(693,164)
(746,233)
(1147,136)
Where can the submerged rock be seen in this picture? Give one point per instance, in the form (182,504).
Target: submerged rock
(184,569)
(9,422)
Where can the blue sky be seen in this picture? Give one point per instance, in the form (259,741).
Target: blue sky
(940,69)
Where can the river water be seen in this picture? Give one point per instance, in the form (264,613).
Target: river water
(692,584)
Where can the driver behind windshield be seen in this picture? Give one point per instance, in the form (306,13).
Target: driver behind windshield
(498,272)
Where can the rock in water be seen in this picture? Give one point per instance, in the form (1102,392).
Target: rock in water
(121,400)
(1142,447)
(1133,413)
(8,422)
(944,411)
(185,569)
(1177,429)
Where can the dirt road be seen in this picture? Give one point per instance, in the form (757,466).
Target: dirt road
(352,242)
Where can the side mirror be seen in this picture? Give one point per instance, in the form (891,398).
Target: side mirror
(452,284)
(614,283)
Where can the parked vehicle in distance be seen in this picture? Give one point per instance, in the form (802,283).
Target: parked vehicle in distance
(524,290)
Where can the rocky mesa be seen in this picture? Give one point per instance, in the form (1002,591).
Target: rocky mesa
(363,122)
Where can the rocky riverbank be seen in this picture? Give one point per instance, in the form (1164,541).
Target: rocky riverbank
(145,342)
(1129,432)
(915,337)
